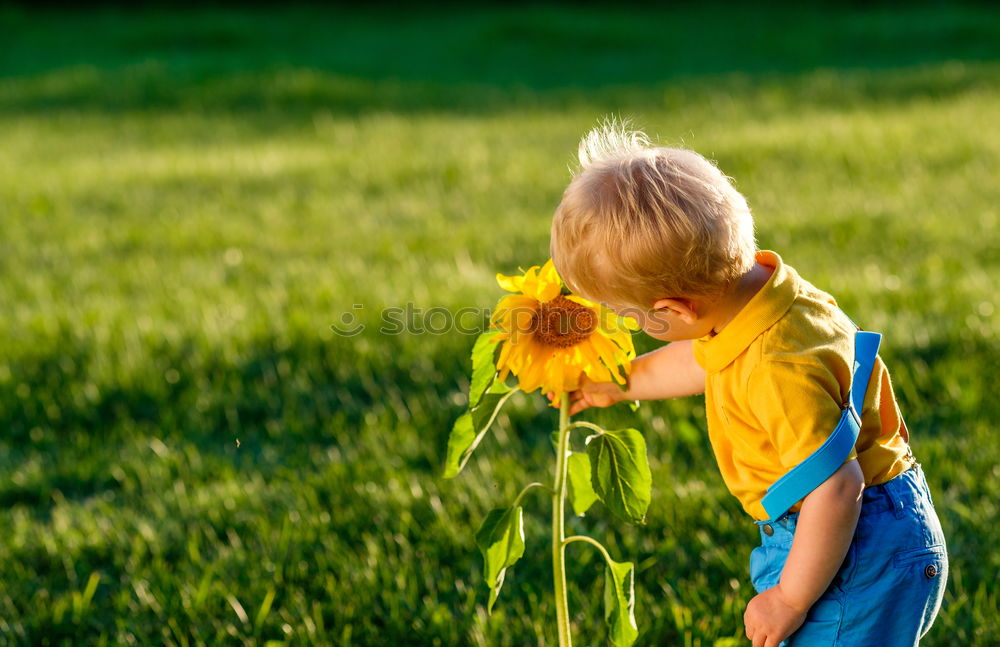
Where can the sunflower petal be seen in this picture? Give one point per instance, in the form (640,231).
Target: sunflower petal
(629,323)
(549,283)
(510,283)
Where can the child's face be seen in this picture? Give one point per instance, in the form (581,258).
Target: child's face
(668,319)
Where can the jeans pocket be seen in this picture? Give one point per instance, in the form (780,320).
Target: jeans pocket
(930,557)
(766,563)
(925,573)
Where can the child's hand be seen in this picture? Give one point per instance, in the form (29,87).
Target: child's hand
(593,394)
(769,618)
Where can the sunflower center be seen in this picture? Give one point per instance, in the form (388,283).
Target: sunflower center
(563,323)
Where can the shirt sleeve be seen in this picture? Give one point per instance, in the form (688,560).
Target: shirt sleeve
(798,404)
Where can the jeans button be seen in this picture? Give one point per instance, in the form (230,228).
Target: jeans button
(930,571)
(768,530)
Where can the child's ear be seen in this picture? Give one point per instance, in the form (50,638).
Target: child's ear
(685,309)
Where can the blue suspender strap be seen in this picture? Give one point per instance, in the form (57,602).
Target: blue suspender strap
(822,463)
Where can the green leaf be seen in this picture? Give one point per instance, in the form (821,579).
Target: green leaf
(470,428)
(620,473)
(489,403)
(619,603)
(501,540)
(484,368)
(580,490)
(459,444)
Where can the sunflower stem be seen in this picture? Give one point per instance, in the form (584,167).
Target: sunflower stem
(559,527)
(586,425)
(589,540)
(525,491)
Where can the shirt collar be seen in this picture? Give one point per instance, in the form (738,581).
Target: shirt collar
(764,309)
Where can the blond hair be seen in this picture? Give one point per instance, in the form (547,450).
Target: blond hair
(639,222)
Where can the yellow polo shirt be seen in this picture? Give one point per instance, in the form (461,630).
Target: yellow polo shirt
(777,376)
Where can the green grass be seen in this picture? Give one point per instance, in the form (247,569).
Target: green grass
(188,201)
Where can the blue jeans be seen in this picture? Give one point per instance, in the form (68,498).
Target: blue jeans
(889,588)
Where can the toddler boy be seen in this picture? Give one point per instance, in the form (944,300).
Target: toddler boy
(660,234)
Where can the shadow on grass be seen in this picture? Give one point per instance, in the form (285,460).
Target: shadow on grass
(488,59)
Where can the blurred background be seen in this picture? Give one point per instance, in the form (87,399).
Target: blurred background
(190,198)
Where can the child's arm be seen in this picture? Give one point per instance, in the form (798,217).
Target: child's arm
(667,372)
(823,533)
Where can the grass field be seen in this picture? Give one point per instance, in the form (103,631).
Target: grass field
(190,456)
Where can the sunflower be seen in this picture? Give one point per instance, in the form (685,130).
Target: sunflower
(550,339)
